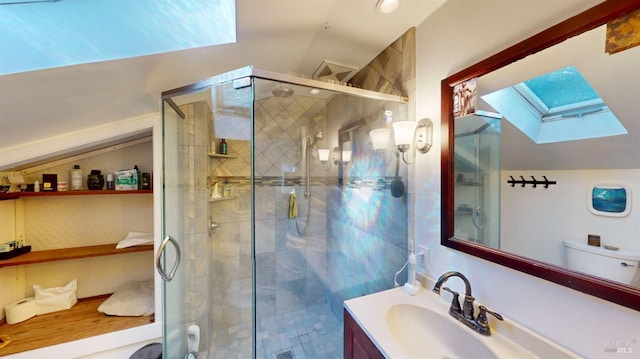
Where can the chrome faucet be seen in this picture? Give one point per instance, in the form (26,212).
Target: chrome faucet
(466,314)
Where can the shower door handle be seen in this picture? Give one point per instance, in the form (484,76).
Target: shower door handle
(167,276)
(479,218)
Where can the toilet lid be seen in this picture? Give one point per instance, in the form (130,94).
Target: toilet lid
(619,254)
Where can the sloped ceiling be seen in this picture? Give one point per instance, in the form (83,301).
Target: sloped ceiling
(289,36)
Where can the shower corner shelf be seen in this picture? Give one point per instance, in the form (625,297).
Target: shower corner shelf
(220,199)
(469,184)
(219,155)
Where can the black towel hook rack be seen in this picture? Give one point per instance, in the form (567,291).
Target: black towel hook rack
(533,182)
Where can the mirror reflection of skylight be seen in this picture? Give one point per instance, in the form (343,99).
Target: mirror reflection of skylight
(68,32)
(555,107)
(562,87)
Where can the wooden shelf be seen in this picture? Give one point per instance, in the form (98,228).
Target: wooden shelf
(81,321)
(220,199)
(71,253)
(219,155)
(16,195)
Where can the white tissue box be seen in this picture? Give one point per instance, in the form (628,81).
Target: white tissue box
(20,310)
(55,299)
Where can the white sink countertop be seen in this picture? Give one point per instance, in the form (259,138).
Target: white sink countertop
(437,334)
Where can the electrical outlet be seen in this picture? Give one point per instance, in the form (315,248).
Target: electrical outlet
(423,257)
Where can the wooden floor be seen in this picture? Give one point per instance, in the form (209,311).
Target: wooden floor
(81,321)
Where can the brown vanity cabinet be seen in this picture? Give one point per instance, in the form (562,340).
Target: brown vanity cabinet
(357,344)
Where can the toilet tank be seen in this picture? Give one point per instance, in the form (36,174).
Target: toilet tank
(620,266)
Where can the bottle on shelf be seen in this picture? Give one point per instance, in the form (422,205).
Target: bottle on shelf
(135,167)
(226,191)
(223,147)
(145,180)
(110,184)
(76,178)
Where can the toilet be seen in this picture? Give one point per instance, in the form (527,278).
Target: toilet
(616,265)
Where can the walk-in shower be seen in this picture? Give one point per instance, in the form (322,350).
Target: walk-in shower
(269,282)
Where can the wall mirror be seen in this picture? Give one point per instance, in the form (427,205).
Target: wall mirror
(518,203)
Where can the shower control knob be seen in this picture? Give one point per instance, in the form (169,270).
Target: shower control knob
(213,226)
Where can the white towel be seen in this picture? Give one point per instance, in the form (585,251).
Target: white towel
(135,239)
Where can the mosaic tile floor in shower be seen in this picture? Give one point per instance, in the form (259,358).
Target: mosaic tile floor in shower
(313,332)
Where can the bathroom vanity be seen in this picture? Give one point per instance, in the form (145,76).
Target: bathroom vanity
(394,324)
(356,342)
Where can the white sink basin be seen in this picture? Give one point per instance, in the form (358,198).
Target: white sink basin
(423,333)
(404,326)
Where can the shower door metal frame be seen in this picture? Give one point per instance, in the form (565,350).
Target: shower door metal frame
(250,71)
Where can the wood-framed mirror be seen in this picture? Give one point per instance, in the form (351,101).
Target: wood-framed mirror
(623,294)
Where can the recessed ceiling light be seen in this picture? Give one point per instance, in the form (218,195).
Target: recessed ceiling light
(387,6)
(314,91)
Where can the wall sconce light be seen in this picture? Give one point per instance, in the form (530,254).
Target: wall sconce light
(419,134)
(335,157)
(346,156)
(379,138)
(323,155)
(403,132)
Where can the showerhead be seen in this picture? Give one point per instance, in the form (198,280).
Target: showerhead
(317,137)
(281,91)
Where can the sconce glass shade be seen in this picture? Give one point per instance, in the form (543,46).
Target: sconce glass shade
(346,156)
(403,132)
(323,154)
(379,138)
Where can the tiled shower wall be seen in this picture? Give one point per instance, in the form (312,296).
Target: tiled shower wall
(365,253)
(289,268)
(286,265)
(367,227)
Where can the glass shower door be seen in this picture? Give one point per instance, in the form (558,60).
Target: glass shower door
(207,213)
(168,256)
(477,170)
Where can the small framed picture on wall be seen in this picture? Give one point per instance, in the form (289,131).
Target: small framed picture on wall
(464,98)
(611,200)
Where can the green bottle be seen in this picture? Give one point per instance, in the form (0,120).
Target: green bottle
(223,147)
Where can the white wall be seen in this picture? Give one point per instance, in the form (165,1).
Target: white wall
(540,236)
(459,34)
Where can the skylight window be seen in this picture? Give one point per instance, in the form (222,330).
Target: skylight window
(562,87)
(555,107)
(45,35)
